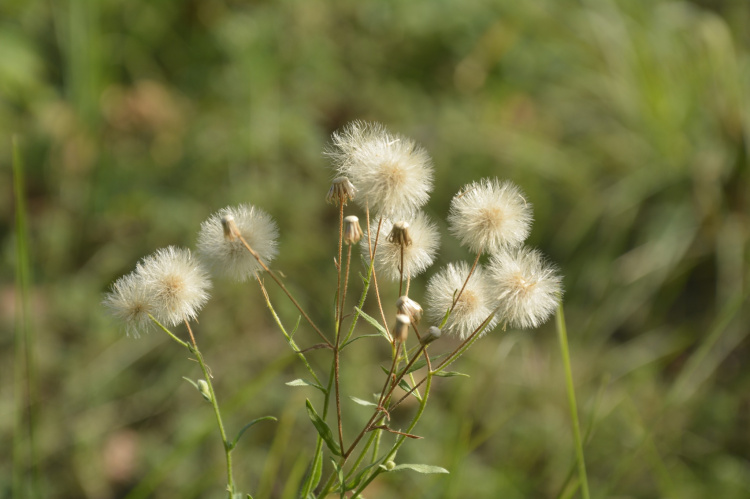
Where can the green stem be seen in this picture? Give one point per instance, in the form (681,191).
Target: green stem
(287,336)
(563,337)
(207,376)
(400,440)
(227,447)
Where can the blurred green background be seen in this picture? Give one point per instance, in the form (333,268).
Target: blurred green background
(626,123)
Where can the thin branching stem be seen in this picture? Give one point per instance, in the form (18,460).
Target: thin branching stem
(287,336)
(283,288)
(193,348)
(373,246)
(458,296)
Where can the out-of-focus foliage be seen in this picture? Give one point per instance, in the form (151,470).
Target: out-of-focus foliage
(626,123)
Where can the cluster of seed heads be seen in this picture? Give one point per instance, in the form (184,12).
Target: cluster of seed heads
(390,178)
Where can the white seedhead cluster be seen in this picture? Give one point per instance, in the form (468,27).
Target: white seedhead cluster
(390,178)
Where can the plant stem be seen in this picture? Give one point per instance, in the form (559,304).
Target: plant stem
(283,288)
(288,337)
(373,246)
(227,448)
(24,373)
(563,337)
(455,300)
(400,440)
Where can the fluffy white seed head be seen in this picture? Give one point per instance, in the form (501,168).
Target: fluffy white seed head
(129,301)
(490,215)
(474,305)
(418,255)
(391,173)
(227,255)
(526,287)
(176,284)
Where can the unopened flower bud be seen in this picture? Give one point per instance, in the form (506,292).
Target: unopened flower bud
(401,331)
(389,465)
(352,230)
(341,191)
(400,234)
(433,334)
(409,307)
(230,227)
(203,388)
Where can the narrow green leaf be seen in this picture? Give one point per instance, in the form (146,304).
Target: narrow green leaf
(359,338)
(315,474)
(404,385)
(363,402)
(422,362)
(192,383)
(420,468)
(339,472)
(296,326)
(358,479)
(450,374)
(374,323)
(245,428)
(304,382)
(323,430)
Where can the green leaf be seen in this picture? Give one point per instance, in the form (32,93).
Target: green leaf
(339,472)
(192,383)
(314,476)
(363,402)
(291,335)
(304,382)
(450,374)
(323,430)
(404,385)
(247,426)
(374,323)
(420,468)
(359,338)
(358,479)
(422,362)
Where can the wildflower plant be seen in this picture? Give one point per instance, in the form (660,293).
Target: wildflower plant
(390,178)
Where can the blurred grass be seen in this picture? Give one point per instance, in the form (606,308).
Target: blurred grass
(626,122)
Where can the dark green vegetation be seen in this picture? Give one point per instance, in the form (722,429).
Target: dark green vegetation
(626,123)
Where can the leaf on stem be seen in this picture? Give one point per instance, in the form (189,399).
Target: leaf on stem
(359,338)
(304,382)
(363,402)
(192,383)
(323,429)
(339,472)
(450,374)
(420,468)
(358,479)
(374,323)
(314,475)
(245,428)
(296,326)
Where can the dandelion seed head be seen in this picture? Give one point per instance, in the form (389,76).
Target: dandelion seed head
(227,255)
(473,307)
(176,284)
(490,215)
(527,287)
(418,255)
(392,174)
(129,301)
